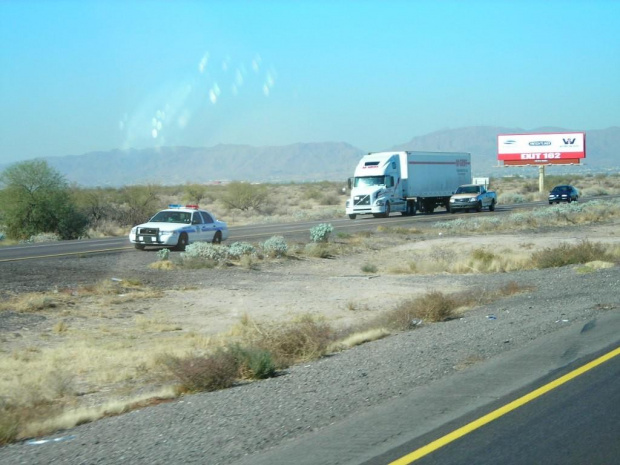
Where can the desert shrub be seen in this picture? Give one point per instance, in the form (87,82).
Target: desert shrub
(313,193)
(369,268)
(510,198)
(34,199)
(136,204)
(483,256)
(317,250)
(249,262)
(570,254)
(204,251)
(9,423)
(254,363)
(329,199)
(42,238)
(245,196)
(238,249)
(321,232)
(303,339)
(431,307)
(163,254)
(203,373)
(275,246)
(530,187)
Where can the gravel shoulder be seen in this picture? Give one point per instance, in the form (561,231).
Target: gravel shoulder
(225,426)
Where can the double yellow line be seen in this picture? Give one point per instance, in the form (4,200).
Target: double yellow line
(494,415)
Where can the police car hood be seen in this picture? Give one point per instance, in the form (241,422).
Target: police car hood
(163,226)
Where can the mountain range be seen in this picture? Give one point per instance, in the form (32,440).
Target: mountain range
(306,162)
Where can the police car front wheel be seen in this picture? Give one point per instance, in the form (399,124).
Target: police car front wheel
(182,242)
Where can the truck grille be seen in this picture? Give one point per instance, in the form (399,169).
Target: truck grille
(361,200)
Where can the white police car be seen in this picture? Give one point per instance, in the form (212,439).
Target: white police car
(178,226)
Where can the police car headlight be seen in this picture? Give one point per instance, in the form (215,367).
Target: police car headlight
(473,199)
(452,200)
(167,233)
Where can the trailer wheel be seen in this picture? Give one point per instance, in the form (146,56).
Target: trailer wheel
(352,216)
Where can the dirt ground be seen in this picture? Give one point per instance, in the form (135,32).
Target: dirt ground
(338,289)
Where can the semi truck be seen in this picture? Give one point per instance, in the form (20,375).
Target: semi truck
(406,182)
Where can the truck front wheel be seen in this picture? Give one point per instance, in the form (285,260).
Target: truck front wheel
(492,206)
(479,207)
(387,210)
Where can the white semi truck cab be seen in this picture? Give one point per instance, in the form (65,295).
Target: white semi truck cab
(405,182)
(377,187)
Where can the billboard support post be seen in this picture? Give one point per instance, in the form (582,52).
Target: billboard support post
(541,178)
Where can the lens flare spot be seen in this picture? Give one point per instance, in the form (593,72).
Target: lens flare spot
(256,63)
(202,65)
(266,90)
(154,133)
(212,96)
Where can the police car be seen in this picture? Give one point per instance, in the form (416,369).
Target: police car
(178,226)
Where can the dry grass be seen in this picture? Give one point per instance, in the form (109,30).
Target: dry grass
(436,307)
(358,338)
(301,339)
(572,254)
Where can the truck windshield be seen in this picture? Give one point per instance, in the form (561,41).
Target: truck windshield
(468,190)
(369,181)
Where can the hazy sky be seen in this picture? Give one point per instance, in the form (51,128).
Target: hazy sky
(80,76)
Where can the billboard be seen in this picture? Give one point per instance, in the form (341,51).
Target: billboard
(562,148)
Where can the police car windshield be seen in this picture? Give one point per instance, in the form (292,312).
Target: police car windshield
(172,217)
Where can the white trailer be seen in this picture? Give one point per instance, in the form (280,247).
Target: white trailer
(406,182)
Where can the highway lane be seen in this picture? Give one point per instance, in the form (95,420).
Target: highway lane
(573,423)
(296,231)
(577,422)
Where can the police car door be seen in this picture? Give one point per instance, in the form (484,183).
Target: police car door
(209,227)
(198,228)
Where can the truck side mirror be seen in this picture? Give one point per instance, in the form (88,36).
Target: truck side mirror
(349,183)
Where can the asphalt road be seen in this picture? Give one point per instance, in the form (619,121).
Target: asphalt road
(297,231)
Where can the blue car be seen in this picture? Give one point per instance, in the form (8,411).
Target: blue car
(563,193)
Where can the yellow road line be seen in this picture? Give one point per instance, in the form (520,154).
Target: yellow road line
(474,425)
(62,254)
